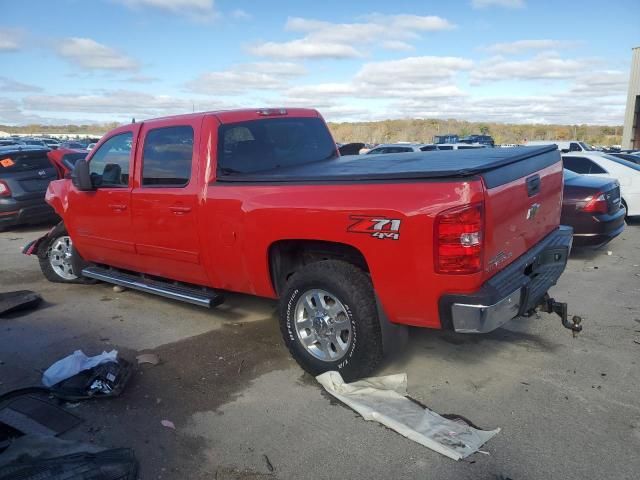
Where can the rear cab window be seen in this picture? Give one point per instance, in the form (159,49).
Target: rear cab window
(267,144)
(23,161)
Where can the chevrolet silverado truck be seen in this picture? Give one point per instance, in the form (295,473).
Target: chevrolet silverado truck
(356,249)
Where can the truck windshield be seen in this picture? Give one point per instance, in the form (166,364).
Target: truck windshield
(260,145)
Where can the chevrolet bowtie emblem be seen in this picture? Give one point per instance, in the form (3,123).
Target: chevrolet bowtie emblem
(533,211)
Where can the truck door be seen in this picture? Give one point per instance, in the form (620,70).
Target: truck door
(165,202)
(99,221)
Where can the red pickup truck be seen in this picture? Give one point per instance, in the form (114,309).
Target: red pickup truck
(356,249)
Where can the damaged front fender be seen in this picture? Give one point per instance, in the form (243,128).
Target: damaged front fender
(38,246)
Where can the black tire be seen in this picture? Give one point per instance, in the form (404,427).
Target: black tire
(353,288)
(76,260)
(626,213)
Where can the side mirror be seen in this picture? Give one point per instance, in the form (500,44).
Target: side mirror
(80,176)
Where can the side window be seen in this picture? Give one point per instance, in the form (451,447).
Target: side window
(428,148)
(167,156)
(109,166)
(595,168)
(574,147)
(445,147)
(576,164)
(398,150)
(582,165)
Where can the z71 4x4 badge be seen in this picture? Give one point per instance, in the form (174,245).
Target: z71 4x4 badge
(377,227)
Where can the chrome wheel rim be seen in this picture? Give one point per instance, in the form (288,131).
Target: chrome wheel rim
(60,258)
(322,325)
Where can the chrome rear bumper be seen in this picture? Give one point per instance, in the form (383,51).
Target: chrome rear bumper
(515,291)
(485,318)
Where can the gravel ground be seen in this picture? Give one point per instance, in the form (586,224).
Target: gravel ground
(568,407)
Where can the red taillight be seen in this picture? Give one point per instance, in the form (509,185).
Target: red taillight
(596,204)
(459,240)
(5,191)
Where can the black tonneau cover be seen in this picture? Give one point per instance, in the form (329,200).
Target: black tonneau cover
(412,166)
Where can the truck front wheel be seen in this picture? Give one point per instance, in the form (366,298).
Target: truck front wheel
(59,260)
(329,320)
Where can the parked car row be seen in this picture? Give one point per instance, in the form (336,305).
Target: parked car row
(403,147)
(594,207)
(46,142)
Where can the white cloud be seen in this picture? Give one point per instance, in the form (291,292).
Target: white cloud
(429,87)
(602,84)
(397,45)
(540,67)
(10,39)
(240,14)
(197,9)
(558,108)
(303,48)
(412,77)
(248,76)
(89,54)
(342,40)
(498,3)
(418,70)
(121,103)
(141,79)
(11,113)
(10,85)
(521,46)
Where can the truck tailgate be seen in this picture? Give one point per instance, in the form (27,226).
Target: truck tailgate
(523,203)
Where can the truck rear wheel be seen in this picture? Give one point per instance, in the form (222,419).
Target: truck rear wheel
(329,320)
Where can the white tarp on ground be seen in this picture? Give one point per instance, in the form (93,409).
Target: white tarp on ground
(384,400)
(73,364)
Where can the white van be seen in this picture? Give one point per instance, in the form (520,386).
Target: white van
(565,146)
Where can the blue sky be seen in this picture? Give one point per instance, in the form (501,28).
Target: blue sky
(483,60)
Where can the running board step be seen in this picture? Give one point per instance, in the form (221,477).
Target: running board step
(197,296)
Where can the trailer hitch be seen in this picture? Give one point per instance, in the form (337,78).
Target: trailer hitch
(549,305)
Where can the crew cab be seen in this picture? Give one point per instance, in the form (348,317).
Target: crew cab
(260,202)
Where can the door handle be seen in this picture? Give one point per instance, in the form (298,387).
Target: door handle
(180,210)
(117,206)
(533,185)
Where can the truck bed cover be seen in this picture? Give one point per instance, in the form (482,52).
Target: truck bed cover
(412,166)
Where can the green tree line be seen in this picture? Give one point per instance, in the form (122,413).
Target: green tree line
(414,130)
(407,130)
